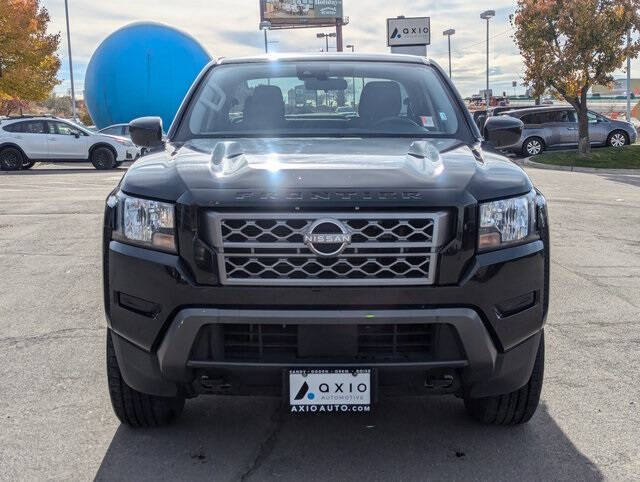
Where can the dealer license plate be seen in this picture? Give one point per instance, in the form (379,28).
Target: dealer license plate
(330,390)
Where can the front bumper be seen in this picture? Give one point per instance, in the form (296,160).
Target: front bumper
(126,153)
(155,311)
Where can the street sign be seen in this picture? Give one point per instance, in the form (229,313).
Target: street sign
(405,32)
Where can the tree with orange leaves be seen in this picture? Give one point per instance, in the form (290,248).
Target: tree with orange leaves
(28,61)
(570,45)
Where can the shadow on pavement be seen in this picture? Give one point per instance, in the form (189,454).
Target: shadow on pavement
(403,439)
(41,172)
(632,179)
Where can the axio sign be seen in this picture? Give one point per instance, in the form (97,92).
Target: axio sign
(405,32)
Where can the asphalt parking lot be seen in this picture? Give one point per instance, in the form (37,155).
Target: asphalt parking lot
(55,416)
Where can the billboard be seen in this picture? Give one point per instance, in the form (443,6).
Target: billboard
(405,32)
(293,13)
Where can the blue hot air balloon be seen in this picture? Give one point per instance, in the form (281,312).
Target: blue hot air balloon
(142,69)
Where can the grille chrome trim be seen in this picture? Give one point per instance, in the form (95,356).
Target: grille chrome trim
(414,237)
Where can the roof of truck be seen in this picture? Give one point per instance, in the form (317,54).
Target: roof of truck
(336,56)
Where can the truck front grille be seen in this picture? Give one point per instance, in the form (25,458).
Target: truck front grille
(276,249)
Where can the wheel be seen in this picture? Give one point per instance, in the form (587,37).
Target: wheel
(135,408)
(26,164)
(11,159)
(617,139)
(103,158)
(512,408)
(533,146)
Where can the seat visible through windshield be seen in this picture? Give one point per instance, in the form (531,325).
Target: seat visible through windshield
(321,98)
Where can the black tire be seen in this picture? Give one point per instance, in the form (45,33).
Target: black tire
(103,158)
(26,164)
(135,408)
(533,146)
(512,408)
(11,159)
(618,139)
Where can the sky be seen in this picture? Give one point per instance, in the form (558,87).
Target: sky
(230,28)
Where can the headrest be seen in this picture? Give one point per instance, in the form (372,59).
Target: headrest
(380,99)
(264,107)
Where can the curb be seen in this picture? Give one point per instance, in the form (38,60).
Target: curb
(527,162)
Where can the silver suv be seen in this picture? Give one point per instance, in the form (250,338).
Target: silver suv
(25,140)
(548,127)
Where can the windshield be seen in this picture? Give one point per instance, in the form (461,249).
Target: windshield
(81,128)
(322,98)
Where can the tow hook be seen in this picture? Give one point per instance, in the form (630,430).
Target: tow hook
(439,382)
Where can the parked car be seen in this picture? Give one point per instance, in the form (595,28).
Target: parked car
(25,140)
(330,260)
(121,130)
(551,127)
(480,116)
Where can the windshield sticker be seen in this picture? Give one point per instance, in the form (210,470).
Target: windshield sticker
(427,121)
(443,116)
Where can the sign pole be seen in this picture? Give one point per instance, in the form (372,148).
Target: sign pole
(339,35)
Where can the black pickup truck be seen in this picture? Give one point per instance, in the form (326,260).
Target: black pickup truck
(329,229)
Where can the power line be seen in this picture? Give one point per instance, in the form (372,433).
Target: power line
(475,44)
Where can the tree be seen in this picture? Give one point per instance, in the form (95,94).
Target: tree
(570,45)
(59,105)
(12,104)
(28,61)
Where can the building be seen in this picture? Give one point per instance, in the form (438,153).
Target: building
(618,87)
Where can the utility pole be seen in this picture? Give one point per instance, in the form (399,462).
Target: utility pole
(339,35)
(449,33)
(73,91)
(266,25)
(326,37)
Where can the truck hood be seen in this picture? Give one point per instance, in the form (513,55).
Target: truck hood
(220,171)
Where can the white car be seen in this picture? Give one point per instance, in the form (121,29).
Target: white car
(25,140)
(122,130)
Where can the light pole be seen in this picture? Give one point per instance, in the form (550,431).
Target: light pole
(73,91)
(629,79)
(265,25)
(353,78)
(487,15)
(326,37)
(449,33)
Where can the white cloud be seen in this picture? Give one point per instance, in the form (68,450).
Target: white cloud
(230,27)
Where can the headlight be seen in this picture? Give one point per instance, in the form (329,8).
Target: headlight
(506,222)
(124,142)
(147,223)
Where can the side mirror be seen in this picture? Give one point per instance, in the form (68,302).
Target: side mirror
(502,131)
(146,131)
(76,135)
